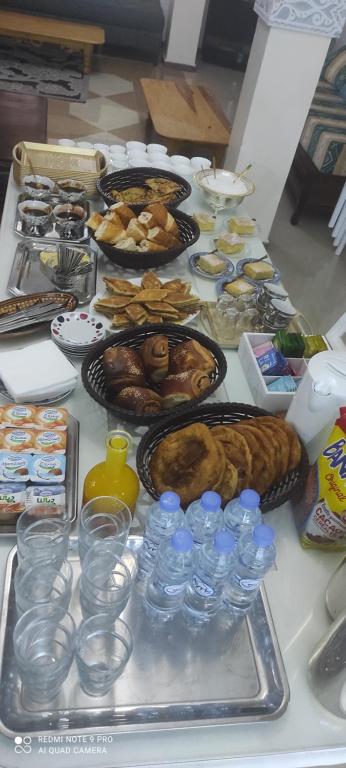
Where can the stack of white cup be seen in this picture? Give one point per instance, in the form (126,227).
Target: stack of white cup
(137,154)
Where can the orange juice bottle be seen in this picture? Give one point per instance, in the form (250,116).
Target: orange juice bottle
(113,477)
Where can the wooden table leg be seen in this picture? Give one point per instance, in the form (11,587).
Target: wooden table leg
(87,51)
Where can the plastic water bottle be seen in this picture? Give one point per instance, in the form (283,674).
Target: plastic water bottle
(241,515)
(165,516)
(255,555)
(167,584)
(212,567)
(204,517)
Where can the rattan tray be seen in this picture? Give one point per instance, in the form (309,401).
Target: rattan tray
(56,162)
(212,415)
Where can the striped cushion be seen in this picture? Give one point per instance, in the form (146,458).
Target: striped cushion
(324,133)
(334,71)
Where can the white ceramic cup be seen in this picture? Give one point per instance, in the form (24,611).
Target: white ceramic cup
(157,149)
(135,163)
(67,143)
(164,166)
(180,160)
(102,148)
(117,149)
(183,170)
(118,163)
(84,145)
(198,163)
(136,145)
(137,155)
(157,157)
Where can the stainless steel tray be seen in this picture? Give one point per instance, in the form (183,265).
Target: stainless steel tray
(174,678)
(27,276)
(71,478)
(51,233)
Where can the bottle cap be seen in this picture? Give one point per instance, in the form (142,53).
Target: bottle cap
(211,501)
(249,499)
(224,542)
(263,535)
(182,540)
(169,501)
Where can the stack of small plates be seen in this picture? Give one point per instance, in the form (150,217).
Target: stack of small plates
(77,332)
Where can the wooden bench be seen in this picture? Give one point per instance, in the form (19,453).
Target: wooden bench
(70,33)
(187,118)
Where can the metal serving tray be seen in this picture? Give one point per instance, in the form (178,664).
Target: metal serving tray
(27,276)
(51,233)
(174,678)
(70,482)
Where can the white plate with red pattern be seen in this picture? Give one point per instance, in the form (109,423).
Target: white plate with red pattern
(77,331)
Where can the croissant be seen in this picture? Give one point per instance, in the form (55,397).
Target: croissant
(139,400)
(188,355)
(181,387)
(155,356)
(123,367)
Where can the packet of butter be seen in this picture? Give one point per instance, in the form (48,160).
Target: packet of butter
(321,514)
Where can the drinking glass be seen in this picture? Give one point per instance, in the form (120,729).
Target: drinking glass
(43,583)
(103,648)
(44,642)
(105,584)
(104,520)
(41,539)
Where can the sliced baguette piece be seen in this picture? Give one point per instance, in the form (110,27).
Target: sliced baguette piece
(147,220)
(107,231)
(147,245)
(128,244)
(136,230)
(94,220)
(159,236)
(124,212)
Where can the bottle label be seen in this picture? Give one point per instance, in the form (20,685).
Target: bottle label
(150,547)
(202,589)
(249,585)
(174,589)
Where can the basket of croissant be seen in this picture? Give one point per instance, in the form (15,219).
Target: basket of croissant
(153,236)
(140,186)
(142,374)
(225,447)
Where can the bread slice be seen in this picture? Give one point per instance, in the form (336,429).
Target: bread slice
(124,212)
(108,232)
(147,220)
(147,245)
(135,230)
(94,220)
(113,217)
(128,244)
(159,236)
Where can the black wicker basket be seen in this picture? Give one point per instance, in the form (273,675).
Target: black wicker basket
(94,380)
(188,235)
(135,177)
(212,415)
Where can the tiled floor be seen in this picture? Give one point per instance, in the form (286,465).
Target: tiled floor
(115,110)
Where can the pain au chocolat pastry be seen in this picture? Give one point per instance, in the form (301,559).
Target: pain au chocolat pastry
(182,387)
(155,356)
(139,399)
(123,367)
(191,355)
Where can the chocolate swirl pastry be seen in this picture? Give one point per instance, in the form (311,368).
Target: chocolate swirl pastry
(140,400)
(123,367)
(191,355)
(180,387)
(155,356)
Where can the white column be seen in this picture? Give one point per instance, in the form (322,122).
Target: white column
(279,84)
(184,32)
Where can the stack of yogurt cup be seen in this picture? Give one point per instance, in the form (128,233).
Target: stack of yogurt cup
(136,154)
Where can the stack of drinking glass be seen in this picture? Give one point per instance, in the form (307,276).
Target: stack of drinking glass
(46,639)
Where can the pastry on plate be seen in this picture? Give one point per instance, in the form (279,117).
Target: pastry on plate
(211,263)
(205,221)
(229,243)
(121,287)
(258,270)
(239,287)
(242,225)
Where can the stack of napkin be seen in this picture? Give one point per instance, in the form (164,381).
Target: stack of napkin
(37,372)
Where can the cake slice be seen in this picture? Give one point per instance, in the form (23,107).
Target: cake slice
(241,225)
(211,263)
(229,243)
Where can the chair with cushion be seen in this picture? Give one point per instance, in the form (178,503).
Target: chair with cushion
(319,167)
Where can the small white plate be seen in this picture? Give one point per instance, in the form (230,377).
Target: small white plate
(77,329)
(107,321)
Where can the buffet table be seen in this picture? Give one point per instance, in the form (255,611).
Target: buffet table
(306,735)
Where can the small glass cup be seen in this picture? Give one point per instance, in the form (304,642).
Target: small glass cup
(35,216)
(103,648)
(38,187)
(104,520)
(69,221)
(42,538)
(44,642)
(105,584)
(71,191)
(43,583)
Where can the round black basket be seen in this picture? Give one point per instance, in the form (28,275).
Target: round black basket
(94,380)
(188,235)
(135,177)
(290,486)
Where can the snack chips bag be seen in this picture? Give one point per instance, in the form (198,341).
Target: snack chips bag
(321,514)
